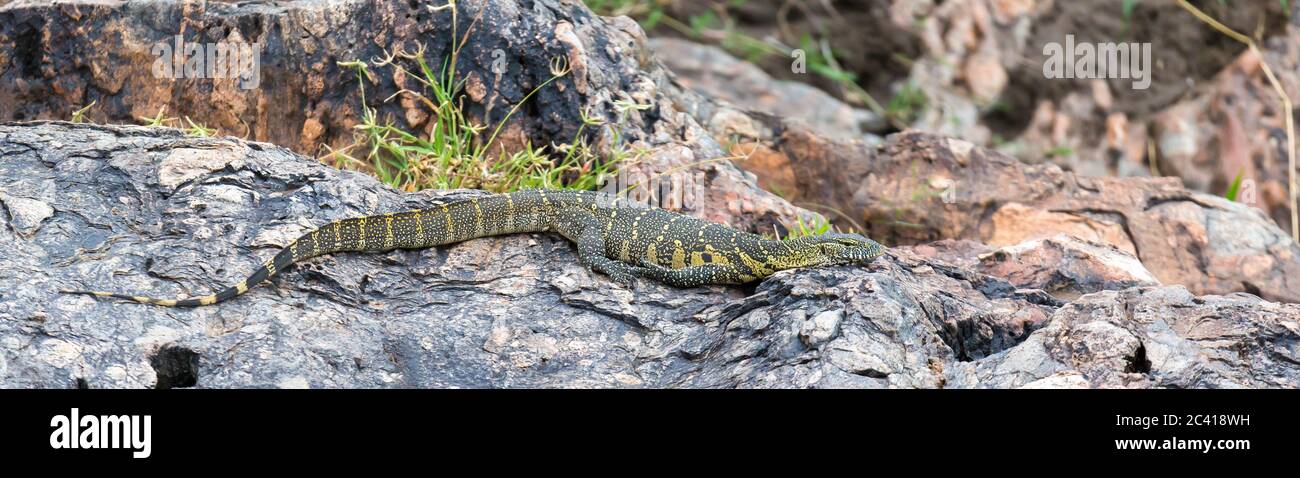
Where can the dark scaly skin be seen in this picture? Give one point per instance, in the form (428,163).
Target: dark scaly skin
(614,237)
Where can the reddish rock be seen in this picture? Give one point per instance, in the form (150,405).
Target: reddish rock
(1206,243)
(1066,267)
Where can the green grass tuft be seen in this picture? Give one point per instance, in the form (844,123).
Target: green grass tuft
(453,152)
(1235,187)
(819,226)
(79,116)
(908,103)
(1061,151)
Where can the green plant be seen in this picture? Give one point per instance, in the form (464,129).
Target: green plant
(1235,187)
(1126,10)
(647,12)
(907,104)
(452,152)
(1060,151)
(79,116)
(819,225)
(198,129)
(160,120)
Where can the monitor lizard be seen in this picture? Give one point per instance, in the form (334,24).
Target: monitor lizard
(618,238)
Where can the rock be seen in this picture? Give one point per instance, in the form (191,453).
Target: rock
(1210,111)
(1204,242)
(713,72)
(865,38)
(1209,115)
(1066,267)
(26,215)
(962,253)
(1007,10)
(185,164)
(821,328)
(307,101)
(771,169)
(916,188)
(1231,127)
(302,88)
(1080,134)
(1153,337)
(518,311)
(985,75)
(1066,379)
(405,318)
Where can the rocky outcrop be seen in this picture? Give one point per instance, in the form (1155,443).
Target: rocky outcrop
(915,188)
(1002,274)
(55,59)
(1207,243)
(152,210)
(1209,116)
(55,62)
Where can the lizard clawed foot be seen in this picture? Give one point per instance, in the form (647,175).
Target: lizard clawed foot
(647,267)
(625,277)
(628,280)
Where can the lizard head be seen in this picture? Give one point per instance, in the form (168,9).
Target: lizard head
(840,248)
(831,249)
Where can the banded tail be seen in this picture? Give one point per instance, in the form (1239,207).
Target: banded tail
(524,211)
(281,260)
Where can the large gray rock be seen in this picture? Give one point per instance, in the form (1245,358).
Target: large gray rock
(153,211)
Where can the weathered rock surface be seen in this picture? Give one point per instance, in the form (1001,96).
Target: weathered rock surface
(153,211)
(1066,267)
(1152,337)
(1063,266)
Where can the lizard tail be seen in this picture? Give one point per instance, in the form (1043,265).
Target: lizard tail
(273,266)
(444,224)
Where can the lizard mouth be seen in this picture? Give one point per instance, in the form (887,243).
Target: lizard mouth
(872,255)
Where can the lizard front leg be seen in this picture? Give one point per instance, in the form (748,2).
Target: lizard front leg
(591,253)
